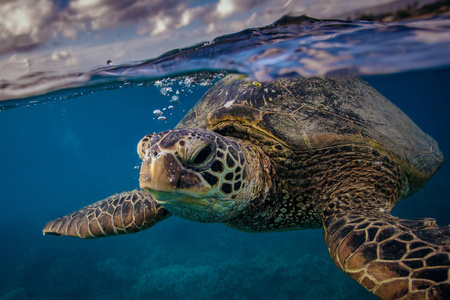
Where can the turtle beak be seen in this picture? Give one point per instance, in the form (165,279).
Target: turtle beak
(167,180)
(156,174)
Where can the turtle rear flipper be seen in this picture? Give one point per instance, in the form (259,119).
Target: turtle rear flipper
(393,258)
(127,212)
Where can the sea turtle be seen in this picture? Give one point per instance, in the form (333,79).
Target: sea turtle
(291,154)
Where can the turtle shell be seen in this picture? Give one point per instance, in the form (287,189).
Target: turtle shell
(318,112)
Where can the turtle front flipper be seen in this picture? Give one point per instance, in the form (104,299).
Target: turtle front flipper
(127,212)
(393,258)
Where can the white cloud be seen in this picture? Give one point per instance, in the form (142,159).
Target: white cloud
(22,24)
(225,8)
(26,24)
(21,17)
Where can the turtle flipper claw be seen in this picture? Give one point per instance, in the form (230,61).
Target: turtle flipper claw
(127,212)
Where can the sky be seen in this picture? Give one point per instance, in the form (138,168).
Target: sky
(79,35)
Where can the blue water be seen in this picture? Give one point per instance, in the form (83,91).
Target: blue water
(78,146)
(62,155)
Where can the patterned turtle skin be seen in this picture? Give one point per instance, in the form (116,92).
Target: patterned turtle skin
(290,154)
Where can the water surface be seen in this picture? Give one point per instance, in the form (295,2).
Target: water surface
(291,46)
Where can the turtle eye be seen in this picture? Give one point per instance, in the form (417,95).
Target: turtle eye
(203,155)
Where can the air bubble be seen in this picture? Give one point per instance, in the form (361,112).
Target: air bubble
(157,112)
(167,90)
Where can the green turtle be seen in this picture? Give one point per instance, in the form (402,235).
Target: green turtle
(290,154)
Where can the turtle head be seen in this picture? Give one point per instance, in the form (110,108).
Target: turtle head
(196,174)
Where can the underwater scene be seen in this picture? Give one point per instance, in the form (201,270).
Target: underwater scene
(69,133)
